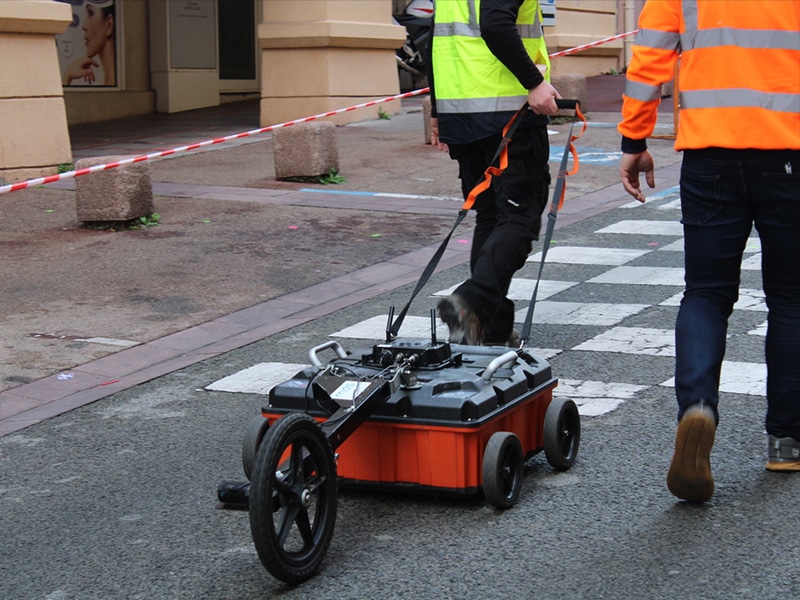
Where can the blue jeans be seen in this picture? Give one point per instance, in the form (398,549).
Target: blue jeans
(723,193)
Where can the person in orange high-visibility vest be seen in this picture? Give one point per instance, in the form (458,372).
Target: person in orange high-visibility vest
(739,130)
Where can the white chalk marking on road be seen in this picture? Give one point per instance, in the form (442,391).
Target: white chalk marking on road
(109,341)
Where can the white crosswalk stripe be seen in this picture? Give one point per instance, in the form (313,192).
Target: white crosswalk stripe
(641,276)
(595,398)
(645,228)
(580,313)
(589,255)
(632,340)
(623,274)
(739,378)
(258,379)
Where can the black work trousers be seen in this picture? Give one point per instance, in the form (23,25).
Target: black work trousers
(508,219)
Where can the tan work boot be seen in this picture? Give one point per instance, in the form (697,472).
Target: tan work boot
(689,476)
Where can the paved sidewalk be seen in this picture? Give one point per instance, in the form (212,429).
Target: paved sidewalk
(238,256)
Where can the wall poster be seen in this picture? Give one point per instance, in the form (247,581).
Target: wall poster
(87,50)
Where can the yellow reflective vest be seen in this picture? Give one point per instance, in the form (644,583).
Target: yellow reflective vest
(739,73)
(468,77)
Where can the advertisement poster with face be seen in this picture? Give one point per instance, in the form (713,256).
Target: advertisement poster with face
(87,52)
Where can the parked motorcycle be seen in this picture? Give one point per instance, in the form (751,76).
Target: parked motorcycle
(417,18)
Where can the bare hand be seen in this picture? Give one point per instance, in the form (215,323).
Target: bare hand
(630,166)
(435,142)
(81,68)
(542,99)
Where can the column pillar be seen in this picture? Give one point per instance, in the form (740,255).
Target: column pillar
(321,55)
(33,119)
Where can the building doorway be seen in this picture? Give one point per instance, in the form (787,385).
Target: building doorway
(238,57)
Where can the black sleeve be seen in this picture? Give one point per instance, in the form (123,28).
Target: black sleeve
(427,57)
(498,20)
(631,146)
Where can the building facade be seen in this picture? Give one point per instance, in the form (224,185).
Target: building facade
(97,60)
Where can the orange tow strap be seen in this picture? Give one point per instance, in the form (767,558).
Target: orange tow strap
(501,158)
(502,155)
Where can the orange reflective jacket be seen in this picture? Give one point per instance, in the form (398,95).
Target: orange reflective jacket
(739,77)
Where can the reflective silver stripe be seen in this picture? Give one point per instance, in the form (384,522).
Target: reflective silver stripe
(693,37)
(740,98)
(473,14)
(747,38)
(690,24)
(642,91)
(478,105)
(472,29)
(451,29)
(529,31)
(653,38)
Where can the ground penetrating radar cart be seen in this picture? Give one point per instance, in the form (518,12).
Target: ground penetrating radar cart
(406,414)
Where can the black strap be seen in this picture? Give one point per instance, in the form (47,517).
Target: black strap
(508,132)
(558,193)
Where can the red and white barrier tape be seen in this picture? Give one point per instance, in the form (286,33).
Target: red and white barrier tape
(592,44)
(155,155)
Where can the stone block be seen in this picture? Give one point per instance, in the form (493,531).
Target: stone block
(118,194)
(305,150)
(571,86)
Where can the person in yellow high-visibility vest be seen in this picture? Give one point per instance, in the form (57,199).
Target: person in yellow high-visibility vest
(484,68)
(739,82)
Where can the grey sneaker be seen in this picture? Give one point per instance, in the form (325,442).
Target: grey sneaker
(465,328)
(689,476)
(784,454)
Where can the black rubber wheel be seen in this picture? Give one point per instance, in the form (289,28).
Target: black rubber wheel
(562,433)
(502,469)
(293,498)
(256,429)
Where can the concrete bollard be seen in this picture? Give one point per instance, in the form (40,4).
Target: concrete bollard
(571,86)
(305,150)
(119,194)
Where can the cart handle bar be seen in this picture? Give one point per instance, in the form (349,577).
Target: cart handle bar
(337,347)
(503,359)
(564,104)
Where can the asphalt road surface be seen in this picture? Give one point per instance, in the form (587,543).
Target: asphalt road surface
(117,499)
